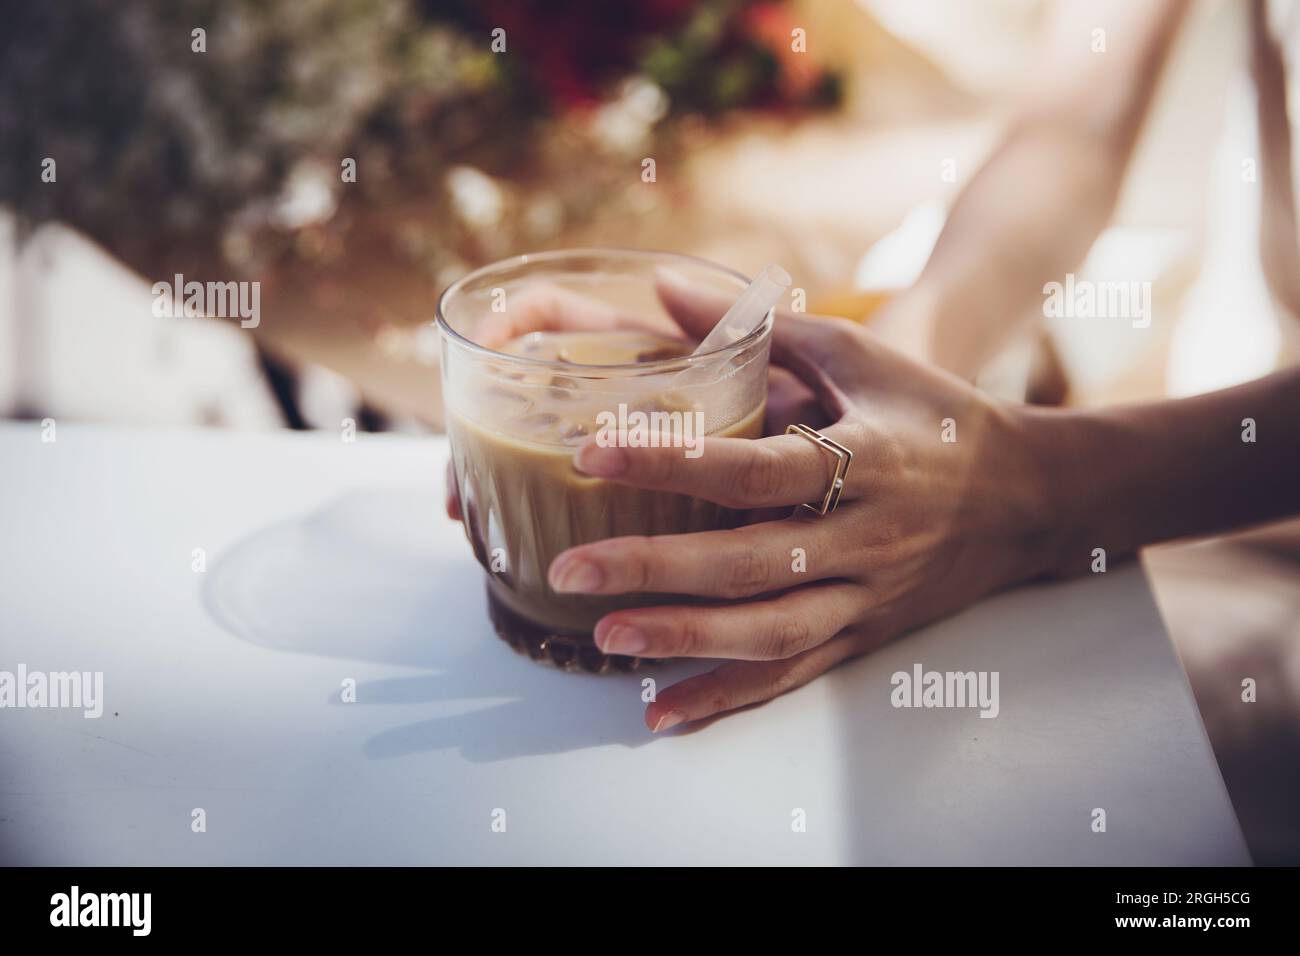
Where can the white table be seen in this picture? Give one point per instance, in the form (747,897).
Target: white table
(328,561)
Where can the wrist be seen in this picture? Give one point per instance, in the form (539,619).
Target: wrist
(906,323)
(1058,486)
(959,335)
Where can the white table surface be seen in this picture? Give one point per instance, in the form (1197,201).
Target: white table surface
(328,561)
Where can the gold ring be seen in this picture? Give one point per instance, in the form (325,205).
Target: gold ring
(843,458)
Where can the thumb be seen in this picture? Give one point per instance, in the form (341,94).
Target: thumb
(697,309)
(694,307)
(814,349)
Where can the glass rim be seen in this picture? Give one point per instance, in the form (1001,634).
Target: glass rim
(573,369)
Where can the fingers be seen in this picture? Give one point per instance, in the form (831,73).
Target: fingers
(547,308)
(733,472)
(741,562)
(741,683)
(773,629)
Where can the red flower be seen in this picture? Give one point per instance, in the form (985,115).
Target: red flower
(570,48)
(771,26)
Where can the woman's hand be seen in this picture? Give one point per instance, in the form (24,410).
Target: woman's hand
(943,504)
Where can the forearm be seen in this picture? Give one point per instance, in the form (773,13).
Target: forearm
(1125,477)
(1028,217)
(1036,206)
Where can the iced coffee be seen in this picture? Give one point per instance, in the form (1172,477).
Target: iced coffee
(517,412)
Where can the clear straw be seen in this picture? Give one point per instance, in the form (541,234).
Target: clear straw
(748,311)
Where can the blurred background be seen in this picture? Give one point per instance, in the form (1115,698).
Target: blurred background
(224,154)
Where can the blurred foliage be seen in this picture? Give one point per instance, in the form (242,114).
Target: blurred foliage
(236,149)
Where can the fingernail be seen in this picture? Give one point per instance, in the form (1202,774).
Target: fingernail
(576,577)
(603,462)
(669,720)
(622,639)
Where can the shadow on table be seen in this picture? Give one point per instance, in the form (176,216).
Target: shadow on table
(365,578)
